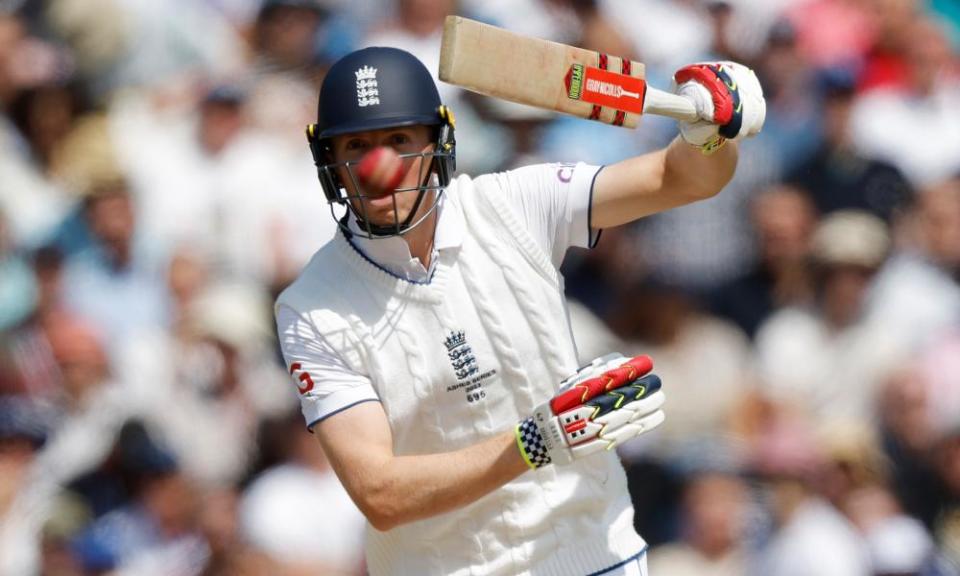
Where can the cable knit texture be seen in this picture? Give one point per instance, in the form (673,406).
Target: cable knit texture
(457,360)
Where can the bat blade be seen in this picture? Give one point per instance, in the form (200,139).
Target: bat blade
(545,74)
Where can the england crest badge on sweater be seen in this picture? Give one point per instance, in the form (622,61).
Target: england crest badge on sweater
(465,367)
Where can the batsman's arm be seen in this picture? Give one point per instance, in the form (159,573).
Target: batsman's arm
(698,164)
(393,490)
(603,404)
(673,176)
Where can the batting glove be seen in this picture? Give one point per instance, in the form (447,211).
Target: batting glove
(729,101)
(604,404)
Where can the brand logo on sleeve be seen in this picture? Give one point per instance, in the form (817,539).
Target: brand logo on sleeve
(306,382)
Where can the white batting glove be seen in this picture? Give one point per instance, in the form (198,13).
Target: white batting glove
(729,101)
(604,404)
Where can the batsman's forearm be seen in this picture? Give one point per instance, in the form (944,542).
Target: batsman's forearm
(691,173)
(411,488)
(667,178)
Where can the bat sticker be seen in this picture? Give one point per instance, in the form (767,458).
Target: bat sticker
(574,81)
(605,88)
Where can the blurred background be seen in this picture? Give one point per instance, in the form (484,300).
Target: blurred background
(156,193)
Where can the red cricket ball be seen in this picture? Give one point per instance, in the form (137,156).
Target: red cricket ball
(381,169)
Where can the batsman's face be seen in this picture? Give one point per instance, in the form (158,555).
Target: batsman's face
(386,207)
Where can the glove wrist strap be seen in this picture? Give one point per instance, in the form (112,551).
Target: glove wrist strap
(713,145)
(531,445)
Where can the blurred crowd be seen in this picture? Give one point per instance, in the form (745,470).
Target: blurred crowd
(156,193)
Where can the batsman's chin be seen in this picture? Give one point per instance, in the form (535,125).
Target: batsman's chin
(384,215)
(380,203)
(377,206)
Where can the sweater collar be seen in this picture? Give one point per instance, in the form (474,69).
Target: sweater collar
(393,254)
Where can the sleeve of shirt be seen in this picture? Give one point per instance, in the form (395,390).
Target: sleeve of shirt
(553,200)
(325,383)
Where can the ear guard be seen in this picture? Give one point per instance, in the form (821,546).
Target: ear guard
(447,145)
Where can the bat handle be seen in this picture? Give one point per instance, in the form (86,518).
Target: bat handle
(666,104)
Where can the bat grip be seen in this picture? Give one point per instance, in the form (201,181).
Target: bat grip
(666,104)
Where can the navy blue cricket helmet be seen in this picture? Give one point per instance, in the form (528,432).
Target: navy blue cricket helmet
(373,89)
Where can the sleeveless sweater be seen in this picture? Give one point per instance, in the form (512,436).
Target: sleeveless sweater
(460,359)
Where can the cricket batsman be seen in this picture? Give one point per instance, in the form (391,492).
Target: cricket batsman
(429,340)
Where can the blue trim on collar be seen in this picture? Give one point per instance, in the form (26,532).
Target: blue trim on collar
(591,242)
(337,411)
(388,272)
(621,564)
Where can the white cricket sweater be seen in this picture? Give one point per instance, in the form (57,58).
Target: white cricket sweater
(455,361)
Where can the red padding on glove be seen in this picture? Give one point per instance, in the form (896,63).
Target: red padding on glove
(719,92)
(624,374)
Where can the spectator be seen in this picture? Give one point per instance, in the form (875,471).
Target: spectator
(88,409)
(908,437)
(272,518)
(919,133)
(34,104)
(917,296)
(722,18)
(156,533)
(148,45)
(833,32)
(210,382)
(23,429)
(43,114)
(285,33)
(886,64)
(91,405)
(178,200)
(827,358)
(897,544)
(670,33)
(666,323)
(854,479)
(598,278)
(417,28)
(111,284)
(838,177)
(550,19)
(853,464)
(713,527)
(32,369)
(783,220)
(794,111)
(809,536)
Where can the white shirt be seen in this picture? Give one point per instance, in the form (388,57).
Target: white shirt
(552,200)
(836,374)
(918,135)
(817,540)
(272,518)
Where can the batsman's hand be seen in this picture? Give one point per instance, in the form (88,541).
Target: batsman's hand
(729,101)
(604,404)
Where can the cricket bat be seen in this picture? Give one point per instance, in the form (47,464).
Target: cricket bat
(545,74)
